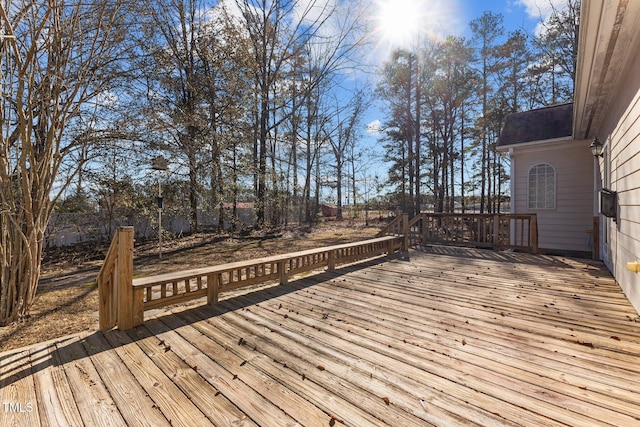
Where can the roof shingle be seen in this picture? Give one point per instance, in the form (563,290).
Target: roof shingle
(538,125)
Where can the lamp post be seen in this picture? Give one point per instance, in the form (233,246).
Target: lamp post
(159,164)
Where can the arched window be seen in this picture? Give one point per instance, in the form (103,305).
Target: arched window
(542,187)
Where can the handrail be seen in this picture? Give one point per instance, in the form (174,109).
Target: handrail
(110,260)
(114,276)
(161,290)
(415,220)
(386,230)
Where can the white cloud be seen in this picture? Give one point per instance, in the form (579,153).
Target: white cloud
(374,128)
(312,12)
(541,9)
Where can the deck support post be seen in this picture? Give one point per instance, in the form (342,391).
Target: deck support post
(130,311)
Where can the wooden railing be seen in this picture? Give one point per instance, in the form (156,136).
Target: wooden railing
(135,296)
(394,227)
(399,227)
(495,231)
(114,280)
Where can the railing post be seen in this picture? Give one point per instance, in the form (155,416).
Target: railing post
(212,288)
(405,232)
(130,311)
(331,262)
(496,231)
(595,250)
(425,228)
(282,269)
(533,233)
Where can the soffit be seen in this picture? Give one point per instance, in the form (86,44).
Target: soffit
(608,34)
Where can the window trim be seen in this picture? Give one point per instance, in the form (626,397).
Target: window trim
(555,183)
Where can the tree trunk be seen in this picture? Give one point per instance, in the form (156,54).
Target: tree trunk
(21,241)
(262,163)
(410,134)
(418,142)
(462,201)
(339,189)
(217,182)
(193,194)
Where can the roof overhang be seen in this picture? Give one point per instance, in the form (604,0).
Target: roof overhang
(608,40)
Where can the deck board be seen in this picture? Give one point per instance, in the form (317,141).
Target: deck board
(269,366)
(450,337)
(253,404)
(133,403)
(90,394)
(17,390)
(57,406)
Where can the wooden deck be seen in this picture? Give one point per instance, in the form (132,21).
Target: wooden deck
(452,337)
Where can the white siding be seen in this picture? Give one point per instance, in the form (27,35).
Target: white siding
(622,130)
(565,227)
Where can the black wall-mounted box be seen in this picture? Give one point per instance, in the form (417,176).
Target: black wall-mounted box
(609,203)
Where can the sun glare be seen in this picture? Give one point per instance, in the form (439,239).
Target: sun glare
(401,23)
(399,20)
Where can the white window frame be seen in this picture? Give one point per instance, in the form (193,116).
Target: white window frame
(537,205)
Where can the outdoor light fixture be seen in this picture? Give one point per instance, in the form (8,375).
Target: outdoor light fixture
(596,147)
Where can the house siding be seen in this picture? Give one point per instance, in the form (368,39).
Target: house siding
(622,130)
(567,226)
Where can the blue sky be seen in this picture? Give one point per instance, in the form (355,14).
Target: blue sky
(401,22)
(523,14)
(439,18)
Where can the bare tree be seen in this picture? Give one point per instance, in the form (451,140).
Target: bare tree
(486,30)
(173,72)
(343,136)
(56,57)
(328,32)
(558,44)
